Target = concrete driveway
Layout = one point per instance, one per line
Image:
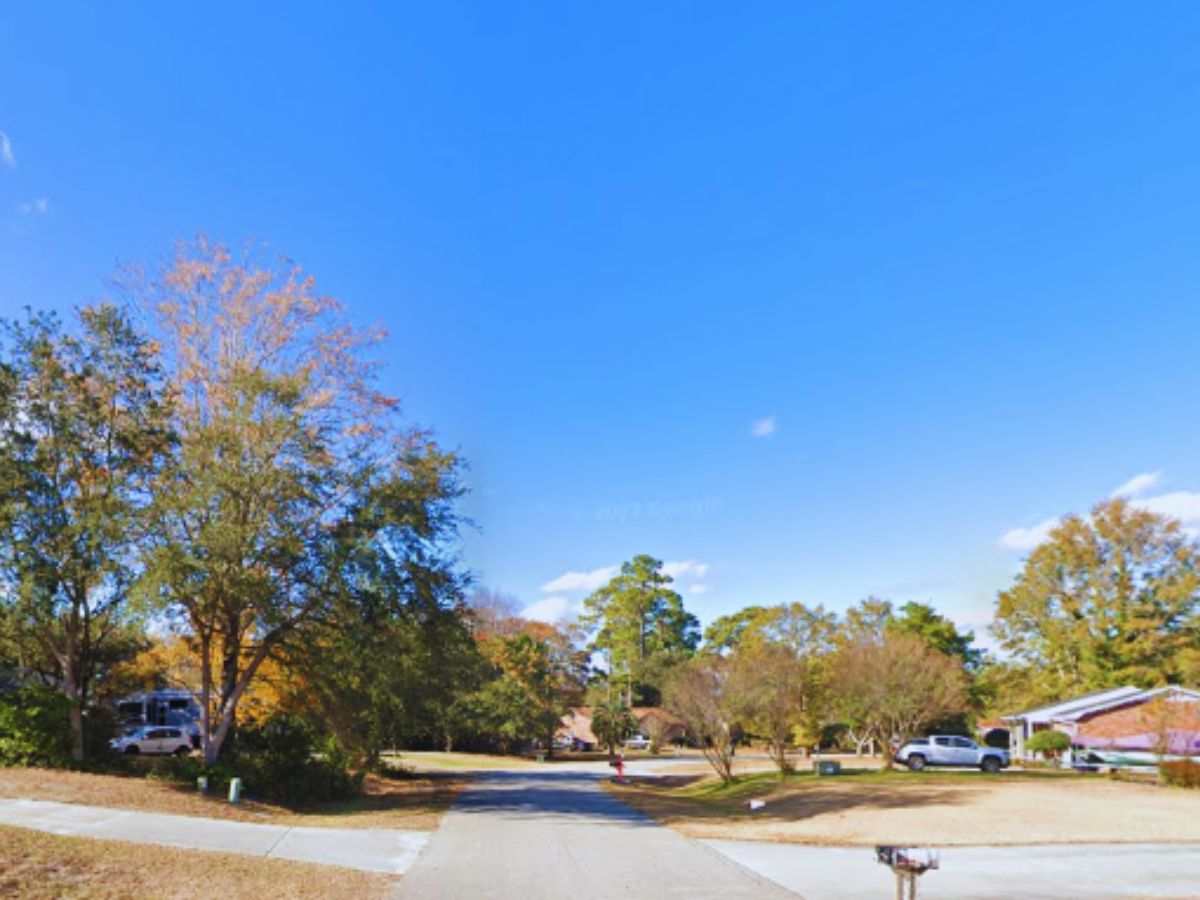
(558, 834)
(1074, 870)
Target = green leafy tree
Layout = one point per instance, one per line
(1113, 598)
(923, 621)
(83, 430)
(640, 624)
(806, 631)
(392, 653)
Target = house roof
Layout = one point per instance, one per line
(1095, 700)
(1100, 701)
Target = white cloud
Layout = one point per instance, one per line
(552, 610)
(38, 206)
(580, 582)
(764, 428)
(6, 151)
(1182, 505)
(1027, 538)
(1138, 484)
(697, 589)
(687, 568)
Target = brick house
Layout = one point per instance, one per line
(653, 722)
(1132, 722)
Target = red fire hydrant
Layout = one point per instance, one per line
(620, 764)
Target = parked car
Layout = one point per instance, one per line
(151, 739)
(950, 750)
(638, 742)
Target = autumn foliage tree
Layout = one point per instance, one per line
(280, 436)
(891, 687)
(699, 693)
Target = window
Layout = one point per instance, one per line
(964, 744)
(942, 742)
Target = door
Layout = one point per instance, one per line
(941, 751)
(966, 752)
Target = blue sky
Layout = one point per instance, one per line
(945, 266)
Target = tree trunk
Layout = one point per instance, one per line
(71, 689)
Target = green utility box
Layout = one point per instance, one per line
(829, 767)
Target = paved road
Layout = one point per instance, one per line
(558, 834)
(1090, 871)
(372, 850)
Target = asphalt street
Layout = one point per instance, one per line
(558, 835)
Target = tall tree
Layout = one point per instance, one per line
(806, 631)
(923, 621)
(280, 437)
(890, 688)
(83, 428)
(1110, 599)
(640, 623)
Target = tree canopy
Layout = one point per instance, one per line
(640, 624)
(1111, 598)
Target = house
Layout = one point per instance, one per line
(1125, 725)
(654, 724)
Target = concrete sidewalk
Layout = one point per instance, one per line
(372, 850)
(1066, 870)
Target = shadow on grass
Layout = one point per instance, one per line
(799, 796)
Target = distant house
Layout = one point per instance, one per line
(654, 723)
(1127, 725)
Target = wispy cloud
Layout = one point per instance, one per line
(552, 610)
(1027, 538)
(685, 568)
(38, 206)
(1181, 505)
(697, 589)
(7, 157)
(1138, 484)
(764, 428)
(686, 571)
(580, 582)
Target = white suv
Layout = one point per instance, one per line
(153, 739)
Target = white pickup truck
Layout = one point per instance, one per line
(951, 750)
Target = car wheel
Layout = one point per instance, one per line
(182, 750)
(132, 750)
(990, 764)
(916, 762)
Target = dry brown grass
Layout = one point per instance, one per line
(938, 808)
(410, 803)
(35, 865)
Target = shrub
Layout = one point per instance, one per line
(1051, 742)
(1180, 773)
(278, 760)
(35, 728)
